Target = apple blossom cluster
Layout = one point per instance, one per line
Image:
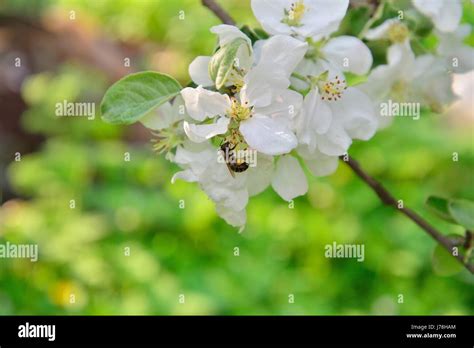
(426, 78)
(260, 112)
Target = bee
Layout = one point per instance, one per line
(233, 164)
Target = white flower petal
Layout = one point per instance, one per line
(201, 133)
(445, 14)
(229, 198)
(232, 217)
(449, 17)
(186, 175)
(282, 53)
(228, 33)
(267, 135)
(430, 7)
(163, 117)
(459, 56)
(244, 58)
(335, 142)
(358, 114)
(402, 57)
(222, 188)
(380, 82)
(348, 53)
(464, 56)
(322, 17)
(270, 14)
(286, 104)
(381, 32)
(194, 161)
(201, 103)
(199, 71)
(260, 176)
(260, 83)
(320, 164)
(289, 180)
(195, 156)
(400, 68)
(315, 119)
(432, 82)
(257, 50)
(317, 110)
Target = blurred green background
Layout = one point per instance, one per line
(132, 204)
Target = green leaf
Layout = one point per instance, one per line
(439, 206)
(223, 60)
(444, 263)
(135, 95)
(462, 212)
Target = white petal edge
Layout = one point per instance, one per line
(270, 13)
(201, 103)
(320, 164)
(282, 53)
(267, 135)
(199, 71)
(201, 133)
(348, 53)
(228, 33)
(289, 180)
(381, 32)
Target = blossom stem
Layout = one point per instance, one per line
(375, 17)
(303, 92)
(387, 198)
(218, 11)
(301, 77)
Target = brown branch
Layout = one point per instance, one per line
(381, 192)
(387, 198)
(218, 11)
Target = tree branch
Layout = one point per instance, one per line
(385, 196)
(218, 11)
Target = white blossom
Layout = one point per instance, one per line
(333, 114)
(263, 108)
(314, 21)
(459, 56)
(406, 78)
(165, 115)
(445, 14)
(303, 18)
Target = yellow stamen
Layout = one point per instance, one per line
(398, 32)
(295, 13)
(333, 89)
(240, 112)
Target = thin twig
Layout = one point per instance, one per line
(375, 17)
(387, 198)
(218, 11)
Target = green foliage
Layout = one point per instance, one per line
(439, 206)
(132, 205)
(462, 211)
(458, 211)
(135, 95)
(443, 262)
(71, 83)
